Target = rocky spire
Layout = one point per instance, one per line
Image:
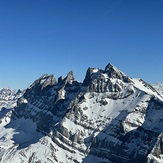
(44, 80)
(113, 72)
(69, 78)
(41, 85)
(88, 77)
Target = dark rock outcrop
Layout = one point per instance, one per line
(105, 117)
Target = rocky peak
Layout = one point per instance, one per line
(69, 78)
(41, 85)
(107, 119)
(89, 75)
(49, 80)
(113, 72)
(44, 81)
(109, 80)
(110, 66)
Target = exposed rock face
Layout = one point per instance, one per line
(48, 100)
(107, 118)
(113, 72)
(108, 80)
(42, 84)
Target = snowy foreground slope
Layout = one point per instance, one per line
(107, 118)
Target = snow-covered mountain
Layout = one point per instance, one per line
(158, 87)
(107, 118)
(8, 100)
(8, 97)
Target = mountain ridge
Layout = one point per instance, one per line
(109, 117)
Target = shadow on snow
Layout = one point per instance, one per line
(112, 144)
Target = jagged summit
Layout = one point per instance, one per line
(113, 72)
(44, 80)
(69, 79)
(110, 117)
(110, 65)
(91, 73)
(111, 79)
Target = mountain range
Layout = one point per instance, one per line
(107, 118)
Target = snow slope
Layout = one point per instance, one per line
(108, 118)
(158, 87)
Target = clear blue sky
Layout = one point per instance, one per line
(56, 36)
